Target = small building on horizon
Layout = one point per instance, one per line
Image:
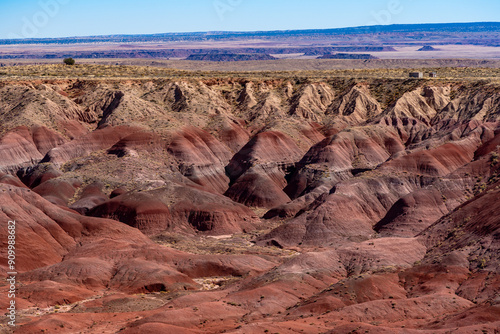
(433, 75)
(416, 75)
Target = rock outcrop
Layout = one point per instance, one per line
(218, 204)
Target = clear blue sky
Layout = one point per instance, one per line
(58, 18)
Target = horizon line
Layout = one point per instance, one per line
(249, 31)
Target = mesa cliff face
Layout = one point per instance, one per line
(369, 204)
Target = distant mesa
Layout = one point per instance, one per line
(229, 57)
(428, 48)
(322, 51)
(348, 56)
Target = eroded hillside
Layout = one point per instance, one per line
(253, 205)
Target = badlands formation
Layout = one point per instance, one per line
(220, 205)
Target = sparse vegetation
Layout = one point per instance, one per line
(494, 159)
(382, 91)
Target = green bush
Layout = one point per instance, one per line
(69, 61)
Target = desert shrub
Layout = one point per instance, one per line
(494, 159)
(69, 61)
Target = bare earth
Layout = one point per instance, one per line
(163, 200)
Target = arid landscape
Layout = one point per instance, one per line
(478, 41)
(156, 200)
(313, 181)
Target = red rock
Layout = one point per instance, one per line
(56, 191)
(50, 232)
(11, 180)
(334, 217)
(48, 293)
(371, 146)
(376, 287)
(143, 141)
(426, 162)
(355, 290)
(35, 176)
(335, 158)
(90, 197)
(312, 132)
(139, 210)
(51, 240)
(479, 318)
(233, 135)
(481, 287)
(422, 280)
(402, 310)
(21, 304)
(118, 192)
(201, 158)
(190, 317)
(488, 147)
(177, 207)
(46, 139)
(100, 139)
(375, 254)
(283, 287)
(217, 216)
(44, 242)
(265, 147)
(474, 224)
(73, 129)
(154, 328)
(300, 204)
(75, 323)
(413, 213)
(256, 189)
(222, 265)
(18, 149)
(140, 276)
(437, 162)
(258, 170)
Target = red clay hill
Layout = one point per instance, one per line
(252, 205)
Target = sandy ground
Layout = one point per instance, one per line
(444, 51)
(269, 66)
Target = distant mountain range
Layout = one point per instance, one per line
(350, 43)
(484, 33)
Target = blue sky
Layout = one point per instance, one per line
(59, 18)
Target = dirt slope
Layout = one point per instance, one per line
(252, 205)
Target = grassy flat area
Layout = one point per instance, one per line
(254, 69)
